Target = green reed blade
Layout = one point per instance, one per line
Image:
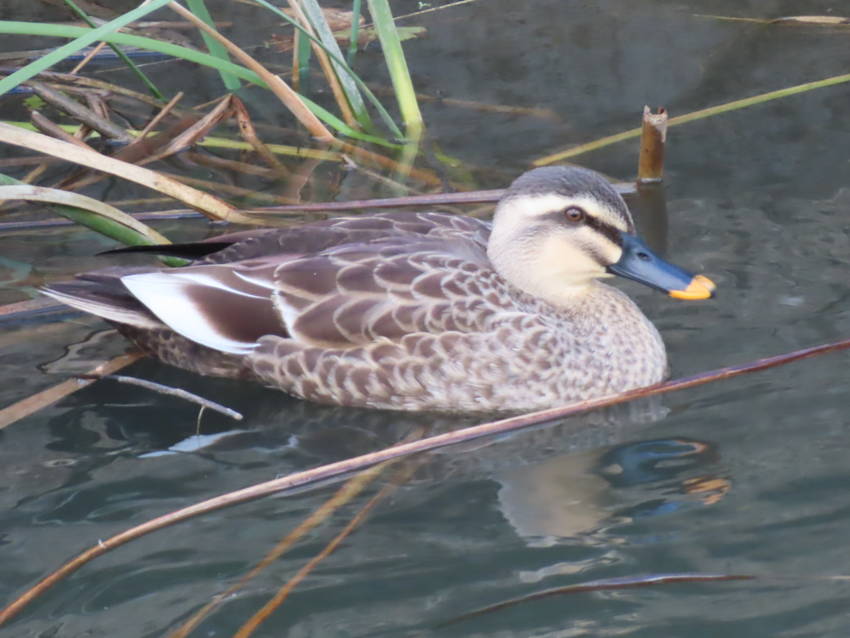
(343, 72)
(305, 56)
(397, 65)
(355, 31)
(152, 88)
(216, 49)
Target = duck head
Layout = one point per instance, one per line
(557, 230)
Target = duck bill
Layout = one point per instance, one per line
(639, 263)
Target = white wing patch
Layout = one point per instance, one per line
(174, 299)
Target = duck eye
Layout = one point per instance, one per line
(574, 214)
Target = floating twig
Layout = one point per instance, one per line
(829, 21)
(168, 391)
(819, 21)
(526, 111)
(433, 9)
(164, 111)
(88, 57)
(49, 127)
(434, 199)
(54, 222)
(79, 112)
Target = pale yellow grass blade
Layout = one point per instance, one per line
(209, 205)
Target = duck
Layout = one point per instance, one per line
(426, 311)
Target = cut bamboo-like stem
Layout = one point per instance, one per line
(605, 584)
(711, 111)
(653, 137)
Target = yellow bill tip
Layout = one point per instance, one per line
(701, 287)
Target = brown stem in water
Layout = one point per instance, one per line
(79, 112)
(164, 111)
(29, 307)
(434, 199)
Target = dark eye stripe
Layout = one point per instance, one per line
(603, 228)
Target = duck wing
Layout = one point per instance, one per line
(339, 283)
(356, 294)
(346, 296)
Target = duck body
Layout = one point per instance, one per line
(406, 311)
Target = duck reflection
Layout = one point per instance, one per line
(570, 495)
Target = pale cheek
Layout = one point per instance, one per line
(612, 253)
(568, 258)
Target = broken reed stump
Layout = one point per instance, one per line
(652, 140)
